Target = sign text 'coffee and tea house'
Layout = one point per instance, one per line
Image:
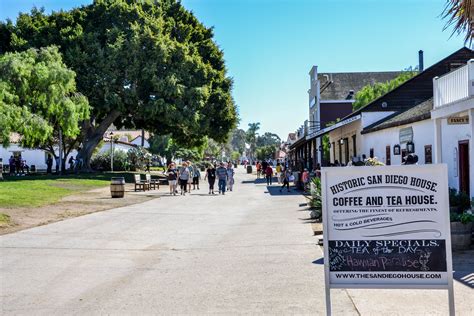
(387, 227)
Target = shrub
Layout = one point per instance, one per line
(101, 161)
(139, 158)
(459, 199)
(315, 199)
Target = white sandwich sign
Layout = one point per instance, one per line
(387, 227)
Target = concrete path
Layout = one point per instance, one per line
(248, 252)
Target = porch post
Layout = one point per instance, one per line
(471, 153)
(437, 140)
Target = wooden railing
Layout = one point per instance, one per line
(454, 86)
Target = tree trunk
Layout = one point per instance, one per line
(92, 137)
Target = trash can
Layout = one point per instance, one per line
(249, 169)
(117, 187)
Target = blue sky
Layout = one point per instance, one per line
(270, 45)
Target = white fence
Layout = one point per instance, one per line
(454, 86)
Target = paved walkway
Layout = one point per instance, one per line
(248, 252)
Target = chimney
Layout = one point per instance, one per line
(420, 60)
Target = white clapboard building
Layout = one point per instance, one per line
(430, 115)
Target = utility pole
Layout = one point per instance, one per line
(111, 151)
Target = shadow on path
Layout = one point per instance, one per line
(275, 190)
(256, 181)
(319, 261)
(463, 266)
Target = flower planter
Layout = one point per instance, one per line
(461, 235)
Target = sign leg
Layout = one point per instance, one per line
(451, 300)
(328, 301)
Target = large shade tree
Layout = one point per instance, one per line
(142, 64)
(38, 98)
(268, 139)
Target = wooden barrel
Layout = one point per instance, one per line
(117, 187)
(461, 235)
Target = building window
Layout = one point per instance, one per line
(388, 160)
(428, 155)
(371, 155)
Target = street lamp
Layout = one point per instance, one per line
(111, 151)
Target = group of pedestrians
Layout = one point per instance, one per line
(188, 175)
(283, 174)
(18, 165)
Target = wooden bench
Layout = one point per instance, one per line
(153, 183)
(140, 184)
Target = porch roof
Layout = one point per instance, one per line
(415, 114)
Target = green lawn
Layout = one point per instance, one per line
(39, 190)
(34, 193)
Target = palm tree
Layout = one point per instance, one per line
(460, 13)
(251, 137)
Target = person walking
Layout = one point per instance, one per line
(49, 164)
(230, 177)
(278, 172)
(71, 163)
(258, 166)
(286, 180)
(18, 165)
(196, 177)
(264, 166)
(305, 179)
(221, 174)
(183, 178)
(269, 174)
(211, 177)
(11, 164)
(172, 175)
(191, 175)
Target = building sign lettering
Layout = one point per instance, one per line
(455, 120)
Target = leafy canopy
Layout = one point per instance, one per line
(149, 64)
(265, 152)
(37, 97)
(268, 139)
(371, 92)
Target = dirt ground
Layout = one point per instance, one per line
(71, 206)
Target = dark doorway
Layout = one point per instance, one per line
(346, 149)
(354, 146)
(388, 160)
(464, 166)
